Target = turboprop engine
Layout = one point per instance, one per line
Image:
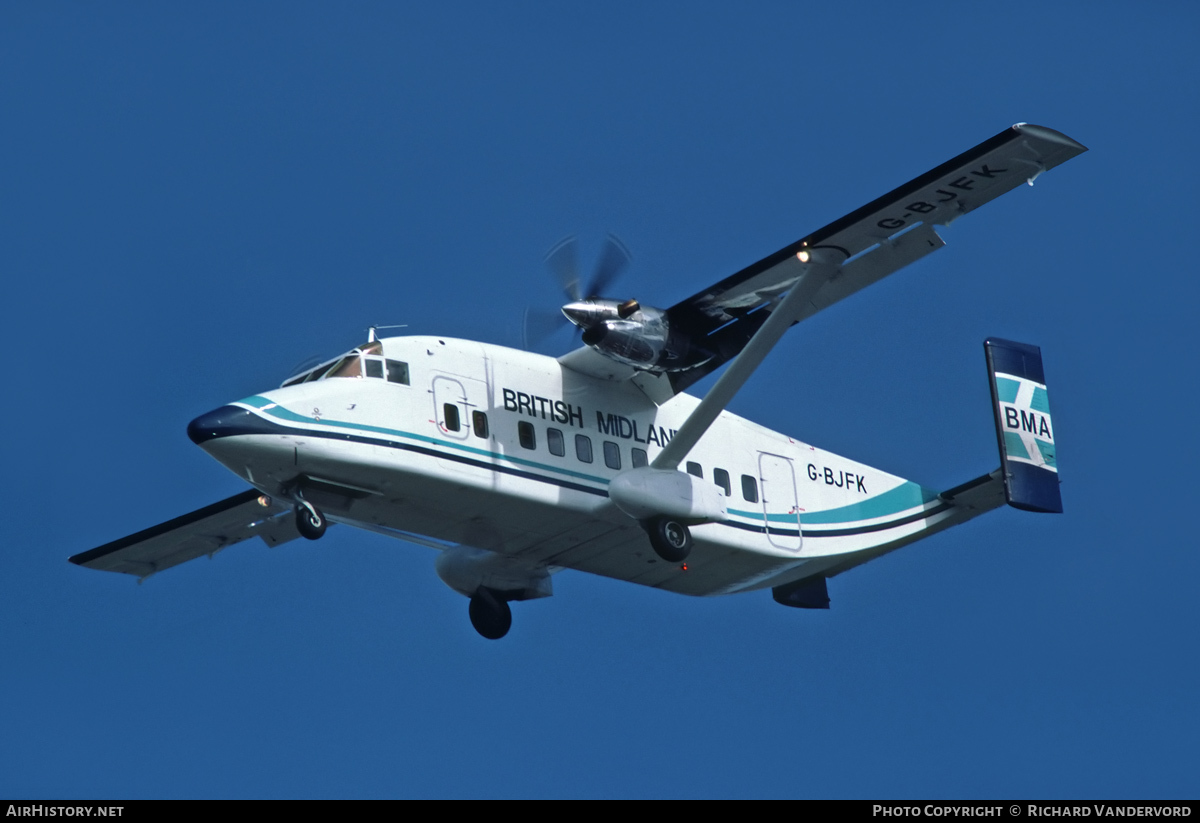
(624, 330)
(628, 332)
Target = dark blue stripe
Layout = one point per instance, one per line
(263, 426)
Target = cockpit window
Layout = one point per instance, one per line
(397, 372)
(348, 366)
(366, 360)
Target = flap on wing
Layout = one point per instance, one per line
(870, 243)
(205, 531)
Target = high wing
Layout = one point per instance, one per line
(868, 244)
(205, 531)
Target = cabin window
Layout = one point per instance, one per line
(583, 448)
(694, 470)
(374, 367)
(450, 417)
(554, 442)
(479, 422)
(526, 435)
(612, 455)
(639, 458)
(397, 372)
(749, 488)
(721, 478)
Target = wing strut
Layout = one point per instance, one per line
(818, 268)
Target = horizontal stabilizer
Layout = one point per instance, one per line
(1024, 429)
(205, 531)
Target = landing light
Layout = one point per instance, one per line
(264, 501)
(803, 256)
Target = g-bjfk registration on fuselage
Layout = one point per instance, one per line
(515, 465)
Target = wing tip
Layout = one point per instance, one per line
(1050, 135)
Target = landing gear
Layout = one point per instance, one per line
(309, 520)
(672, 540)
(490, 614)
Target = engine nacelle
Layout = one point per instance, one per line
(466, 570)
(645, 493)
(636, 335)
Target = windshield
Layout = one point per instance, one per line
(365, 360)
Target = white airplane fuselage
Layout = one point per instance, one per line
(524, 471)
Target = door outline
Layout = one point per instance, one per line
(777, 490)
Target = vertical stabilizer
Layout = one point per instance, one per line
(1023, 426)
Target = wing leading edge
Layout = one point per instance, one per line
(881, 237)
(205, 531)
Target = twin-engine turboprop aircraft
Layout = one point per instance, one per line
(516, 465)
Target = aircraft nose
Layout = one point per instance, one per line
(221, 422)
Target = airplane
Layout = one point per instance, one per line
(517, 465)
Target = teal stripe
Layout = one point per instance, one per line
(281, 413)
(1006, 389)
(906, 496)
(1047, 450)
(1040, 401)
(1013, 446)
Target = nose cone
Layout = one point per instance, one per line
(223, 422)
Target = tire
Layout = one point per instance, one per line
(671, 540)
(310, 522)
(490, 616)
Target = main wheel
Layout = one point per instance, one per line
(672, 540)
(490, 615)
(309, 521)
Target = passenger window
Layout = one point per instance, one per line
(480, 422)
(526, 435)
(450, 417)
(721, 478)
(612, 455)
(374, 367)
(554, 442)
(397, 372)
(583, 448)
(694, 469)
(749, 488)
(639, 458)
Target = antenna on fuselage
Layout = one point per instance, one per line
(371, 331)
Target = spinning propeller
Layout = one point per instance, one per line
(584, 307)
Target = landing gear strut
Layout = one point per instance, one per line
(490, 614)
(672, 540)
(310, 522)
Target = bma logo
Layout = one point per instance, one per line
(1027, 421)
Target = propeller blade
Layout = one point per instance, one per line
(540, 324)
(614, 259)
(563, 261)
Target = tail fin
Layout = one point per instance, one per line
(1023, 426)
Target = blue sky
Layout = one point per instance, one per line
(195, 200)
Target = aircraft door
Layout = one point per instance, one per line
(460, 406)
(451, 406)
(781, 505)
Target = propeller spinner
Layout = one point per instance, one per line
(584, 307)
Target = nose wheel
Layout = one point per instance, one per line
(490, 615)
(310, 522)
(671, 540)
